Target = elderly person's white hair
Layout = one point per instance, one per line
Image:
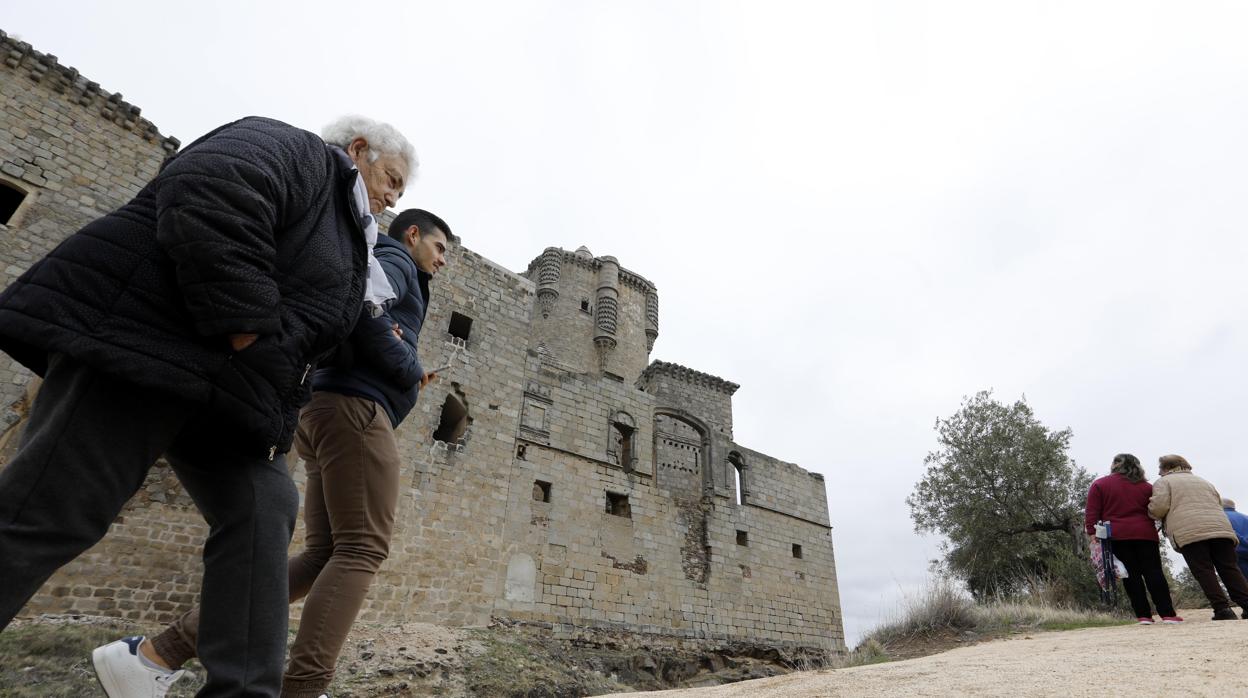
(381, 137)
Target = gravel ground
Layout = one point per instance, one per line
(1196, 658)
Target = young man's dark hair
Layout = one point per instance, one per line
(423, 220)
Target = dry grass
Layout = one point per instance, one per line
(943, 611)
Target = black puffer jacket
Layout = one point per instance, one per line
(250, 229)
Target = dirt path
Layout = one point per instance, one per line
(1197, 658)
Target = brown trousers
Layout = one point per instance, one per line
(1213, 558)
(352, 461)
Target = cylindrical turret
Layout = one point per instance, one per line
(606, 306)
(652, 318)
(548, 279)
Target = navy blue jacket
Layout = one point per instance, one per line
(250, 229)
(373, 363)
(1239, 522)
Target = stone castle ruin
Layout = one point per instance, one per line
(555, 475)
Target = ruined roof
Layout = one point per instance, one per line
(687, 375)
(46, 69)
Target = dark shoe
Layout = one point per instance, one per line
(1225, 614)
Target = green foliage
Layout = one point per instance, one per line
(1186, 591)
(1008, 500)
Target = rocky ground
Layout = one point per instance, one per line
(50, 656)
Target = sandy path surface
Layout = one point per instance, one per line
(1196, 658)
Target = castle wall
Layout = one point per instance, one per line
(563, 492)
(77, 150)
(783, 487)
(691, 391)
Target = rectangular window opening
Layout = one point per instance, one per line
(797, 551)
(10, 199)
(460, 326)
(743, 538)
(584, 305)
(541, 491)
(617, 505)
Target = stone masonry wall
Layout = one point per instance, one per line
(784, 487)
(77, 150)
(698, 393)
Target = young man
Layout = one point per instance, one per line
(184, 323)
(346, 438)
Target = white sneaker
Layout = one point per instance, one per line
(123, 674)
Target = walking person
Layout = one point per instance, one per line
(346, 439)
(1121, 498)
(1239, 522)
(1191, 510)
(183, 324)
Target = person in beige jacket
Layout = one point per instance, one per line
(1191, 510)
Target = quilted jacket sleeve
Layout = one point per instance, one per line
(1159, 502)
(220, 204)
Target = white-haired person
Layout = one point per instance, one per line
(1190, 508)
(185, 323)
(346, 440)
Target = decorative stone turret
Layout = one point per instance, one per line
(548, 279)
(652, 318)
(592, 315)
(607, 306)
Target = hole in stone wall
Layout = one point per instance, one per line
(617, 505)
(585, 305)
(797, 551)
(743, 538)
(623, 435)
(541, 491)
(455, 420)
(460, 327)
(10, 199)
(521, 451)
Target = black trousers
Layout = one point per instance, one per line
(88, 446)
(1142, 559)
(1213, 558)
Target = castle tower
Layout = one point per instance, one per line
(592, 315)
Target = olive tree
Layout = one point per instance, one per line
(1005, 496)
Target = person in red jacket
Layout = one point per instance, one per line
(1121, 498)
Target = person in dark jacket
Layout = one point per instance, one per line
(346, 439)
(1121, 498)
(186, 323)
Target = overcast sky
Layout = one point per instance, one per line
(861, 212)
